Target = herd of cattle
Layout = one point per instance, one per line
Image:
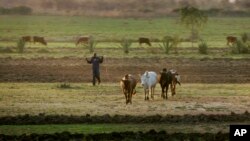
(86, 39)
(80, 40)
(149, 80)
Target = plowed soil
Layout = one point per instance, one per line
(77, 70)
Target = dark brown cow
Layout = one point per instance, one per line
(83, 40)
(231, 39)
(144, 40)
(27, 38)
(128, 84)
(39, 40)
(168, 78)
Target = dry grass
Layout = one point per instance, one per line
(82, 99)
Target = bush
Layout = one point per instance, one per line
(22, 10)
(244, 37)
(43, 51)
(169, 43)
(166, 44)
(91, 44)
(203, 47)
(64, 86)
(6, 50)
(240, 48)
(20, 45)
(126, 44)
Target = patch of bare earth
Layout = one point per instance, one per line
(77, 70)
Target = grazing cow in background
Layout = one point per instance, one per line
(83, 40)
(144, 40)
(167, 78)
(231, 39)
(128, 84)
(27, 38)
(39, 40)
(148, 81)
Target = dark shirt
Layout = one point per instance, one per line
(95, 61)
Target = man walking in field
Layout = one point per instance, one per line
(95, 61)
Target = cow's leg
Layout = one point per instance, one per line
(126, 99)
(148, 94)
(152, 92)
(145, 92)
(173, 88)
(124, 92)
(167, 91)
(130, 97)
(162, 92)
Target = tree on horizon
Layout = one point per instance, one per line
(193, 19)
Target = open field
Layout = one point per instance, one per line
(82, 99)
(30, 82)
(66, 29)
(72, 69)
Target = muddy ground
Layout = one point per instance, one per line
(77, 70)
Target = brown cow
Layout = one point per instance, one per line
(39, 40)
(83, 40)
(27, 38)
(167, 78)
(128, 84)
(144, 40)
(231, 39)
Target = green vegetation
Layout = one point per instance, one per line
(240, 48)
(203, 47)
(170, 43)
(166, 46)
(20, 46)
(126, 44)
(65, 29)
(61, 33)
(194, 19)
(244, 37)
(108, 128)
(22, 10)
(92, 44)
(64, 86)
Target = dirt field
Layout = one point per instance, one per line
(69, 69)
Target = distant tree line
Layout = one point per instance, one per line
(221, 12)
(130, 8)
(20, 10)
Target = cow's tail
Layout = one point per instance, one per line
(179, 83)
(178, 79)
(134, 92)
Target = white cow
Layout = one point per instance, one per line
(148, 81)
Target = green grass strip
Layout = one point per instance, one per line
(108, 128)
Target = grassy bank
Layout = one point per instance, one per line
(108, 128)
